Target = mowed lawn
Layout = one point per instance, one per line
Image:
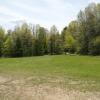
(63, 65)
(85, 68)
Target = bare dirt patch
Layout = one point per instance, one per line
(3, 79)
(23, 89)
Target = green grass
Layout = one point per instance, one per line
(85, 68)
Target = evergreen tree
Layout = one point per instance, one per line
(2, 36)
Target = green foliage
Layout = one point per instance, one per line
(63, 34)
(41, 42)
(7, 49)
(80, 36)
(2, 36)
(70, 41)
(17, 45)
(89, 28)
(52, 40)
(73, 28)
(58, 45)
(94, 48)
(26, 40)
(52, 44)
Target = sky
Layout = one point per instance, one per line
(43, 12)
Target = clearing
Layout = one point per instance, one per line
(50, 78)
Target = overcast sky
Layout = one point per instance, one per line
(43, 12)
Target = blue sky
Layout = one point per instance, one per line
(43, 12)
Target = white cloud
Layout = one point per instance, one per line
(5, 10)
(44, 12)
(96, 1)
(54, 12)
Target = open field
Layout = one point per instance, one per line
(50, 78)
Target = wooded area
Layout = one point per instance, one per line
(81, 36)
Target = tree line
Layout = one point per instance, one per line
(81, 36)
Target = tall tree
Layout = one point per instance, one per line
(26, 40)
(52, 40)
(58, 44)
(41, 42)
(7, 49)
(2, 36)
(17, 45)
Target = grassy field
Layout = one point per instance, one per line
(79, 69)
(59, 77)
(76, 66)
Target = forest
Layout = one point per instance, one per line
(81, 36)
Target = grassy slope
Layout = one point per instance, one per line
(76, 67)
